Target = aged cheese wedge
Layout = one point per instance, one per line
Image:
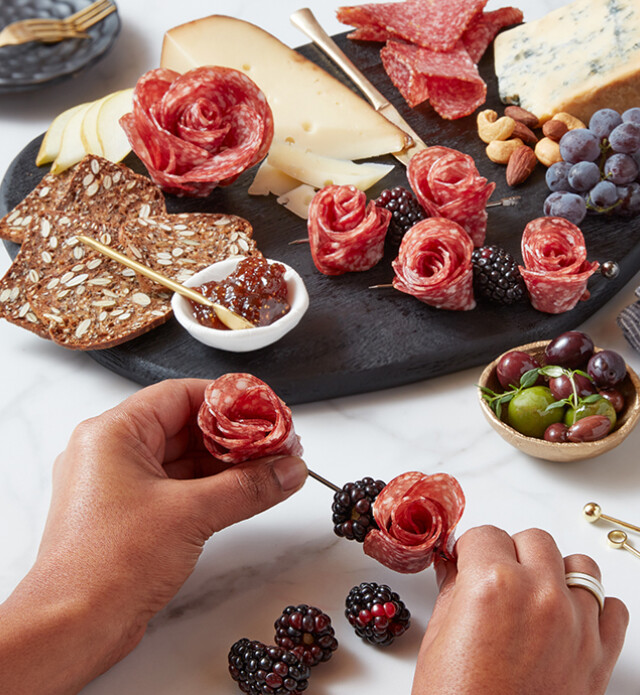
(268, 179)
(298, 200)
(53, 137)
(311, 109)
(319, 171)
(578, 58)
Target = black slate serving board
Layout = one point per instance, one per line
(354, 339)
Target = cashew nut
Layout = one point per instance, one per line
(491, 128)
(548, 151)
(499, 151)
(570, 121)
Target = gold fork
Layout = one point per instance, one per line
(54, 30)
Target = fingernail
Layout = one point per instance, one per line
(291, 472)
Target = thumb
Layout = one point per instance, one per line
(246, 489)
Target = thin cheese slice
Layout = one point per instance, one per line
(311, 108)
(578, 58)
(268, 179)
(319, 171)
(298, 200)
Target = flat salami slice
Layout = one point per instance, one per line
(345, 232)
(434, 265)
(416, 515)
(242, 419)
(199, 130)
(484, 27)
(448, 184)
(556, 269)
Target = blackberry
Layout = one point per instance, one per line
(496, 276)
(377, 613)
(405, 212)
(260, 669)
(306, 631)
(352, 513)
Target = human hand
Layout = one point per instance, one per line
(135, 497)
(506, 622)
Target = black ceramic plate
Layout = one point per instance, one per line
(354, 339)
(31, 65)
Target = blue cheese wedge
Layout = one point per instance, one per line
(578, 58)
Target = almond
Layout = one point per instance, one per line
(554, 129)
(521, 163)
(525, 134)
(522, 116)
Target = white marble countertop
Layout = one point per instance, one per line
(289, 555)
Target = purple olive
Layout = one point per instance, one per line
(513, 365)
(561, 387)
(556, 432)
(614, 397)
(589, 429)
(571, 350)
(607, 368)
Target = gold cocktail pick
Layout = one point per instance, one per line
(592, 512)
(618, 539)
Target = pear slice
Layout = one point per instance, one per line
(53, 137)
(113, 140)
(89, 130)
(71, 148)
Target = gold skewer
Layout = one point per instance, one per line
(228, 317)
(324, 481)
(379, 287)
(592, 512)
(618, 539)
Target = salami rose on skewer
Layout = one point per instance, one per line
(434, 265)
(242, 419)
(416, 514)
(556, 269)
(198, 130)
(345, 232)
(447, 184)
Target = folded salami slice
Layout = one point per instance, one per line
(345, 232)
(484, 27)
(198, 130)
(556, 269)
(416, 515)
(448, 184)
(398, 60)
(242, 419)
(434, 265)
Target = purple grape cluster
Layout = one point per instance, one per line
(600, 171)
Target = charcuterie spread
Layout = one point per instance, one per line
(434, 265)
(345, 232)
(242, 419)
(556, 269)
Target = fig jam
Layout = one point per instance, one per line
(256, 290)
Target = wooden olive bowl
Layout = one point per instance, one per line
(566, 451)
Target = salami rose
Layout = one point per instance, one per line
(434, 265)
(556, 269)
(448, 184)
(416, 515)
(242, 419)
(346, 234)
(199, 130)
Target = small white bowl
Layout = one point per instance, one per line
(246, 339)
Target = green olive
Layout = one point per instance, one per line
(527, 411)
(600, 407)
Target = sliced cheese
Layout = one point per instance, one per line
(268, 179)
(53, 137)
(298, 200)
(71, 147)
(311, 108)
(89, 129)
(319, 171)
(578, 58)
(113, 140)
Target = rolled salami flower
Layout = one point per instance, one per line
(345, 232)
(556, 270)
(447, 184)
(434, 265)
(243, 419)
(416, 514)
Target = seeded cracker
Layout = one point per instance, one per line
(180, 245)
(46, 195)
(49, 243)
(97, 304)
(110, 193)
